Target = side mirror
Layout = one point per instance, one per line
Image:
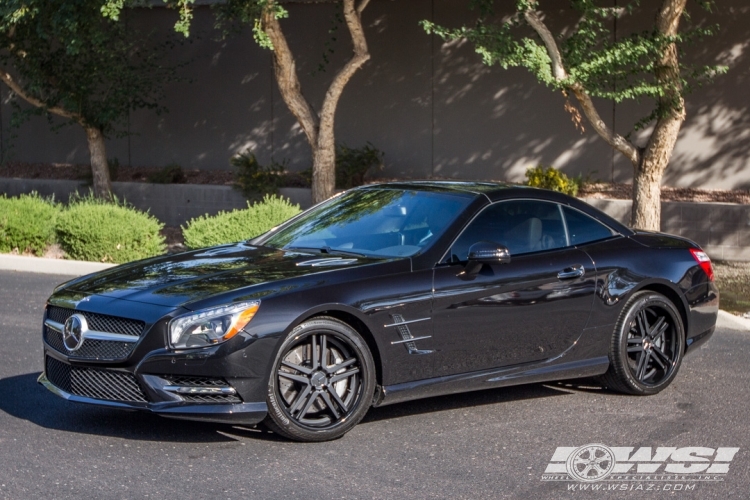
(484, 252)
(488, 252)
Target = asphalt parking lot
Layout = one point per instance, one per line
(489, 444)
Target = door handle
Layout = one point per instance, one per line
(571, 272)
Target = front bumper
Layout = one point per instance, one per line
(240, 413)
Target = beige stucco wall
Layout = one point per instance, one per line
(433, 108)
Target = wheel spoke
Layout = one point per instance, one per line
(299, 368)
(324, 351)
(309, 403)
(330, 405)
(314, 354)
(343, 364)
(337, 398)
(635, 340)
(659, 333)
(642, 362)
(301, 397)
(654, 330)
(649, 373)
(659, 362)
(661, 354)
(292, 376)
(642, 323)
(635, 348)
(342, 376)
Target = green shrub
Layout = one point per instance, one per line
(238, 225)
(555, 180)
(108, 231)
(171, 174)
(27, 223)
(256, 180)
(352, 164)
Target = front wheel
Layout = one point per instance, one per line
(647, 345)
(322, 382)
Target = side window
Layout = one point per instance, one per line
(584, 229)
(523, 226)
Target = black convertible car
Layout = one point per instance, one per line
(383, 294)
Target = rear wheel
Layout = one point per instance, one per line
(647, 345)
(322, 381)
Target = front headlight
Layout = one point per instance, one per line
(211, 326)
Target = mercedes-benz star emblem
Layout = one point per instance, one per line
(73, 332)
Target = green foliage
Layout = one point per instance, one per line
(69, 57)
(27, 223)
(352, 164)
(228, 12)
(549, 178)
(237, 225)
(171, 174)
(97, 230)
(256, 180)
(617, 68)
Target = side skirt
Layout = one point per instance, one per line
(488, 379)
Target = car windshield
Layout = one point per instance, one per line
(375, 222)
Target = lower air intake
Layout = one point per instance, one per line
(108, 385)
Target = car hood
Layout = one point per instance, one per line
(180, 279)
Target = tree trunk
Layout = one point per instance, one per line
(319, 130)
(646, 213)
(99, 168)
(324, 170)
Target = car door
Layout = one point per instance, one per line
(530, 309)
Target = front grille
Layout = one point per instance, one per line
(180, 380)
(99, 322)
(108, 385)
(94, 349)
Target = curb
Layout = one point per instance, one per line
(41, 265)
(734, 322)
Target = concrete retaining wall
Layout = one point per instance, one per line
(173, 204)
(722, 229)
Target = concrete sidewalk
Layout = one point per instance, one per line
(41, 265)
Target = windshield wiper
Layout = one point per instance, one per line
(326, 249)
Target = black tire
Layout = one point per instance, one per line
(647, 345)
(322, 382)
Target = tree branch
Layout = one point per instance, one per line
(361, 56)
(558, 69)
(286, 77)
(18, 90)
(614, 139)
(668, 77)
(361, 7)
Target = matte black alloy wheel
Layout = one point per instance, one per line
(322, 383)
(647, 346)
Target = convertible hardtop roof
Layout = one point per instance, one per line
(472, 187)
(496, 191)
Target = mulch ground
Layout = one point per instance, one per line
(66, 171)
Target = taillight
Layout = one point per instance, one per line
(704, 261)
